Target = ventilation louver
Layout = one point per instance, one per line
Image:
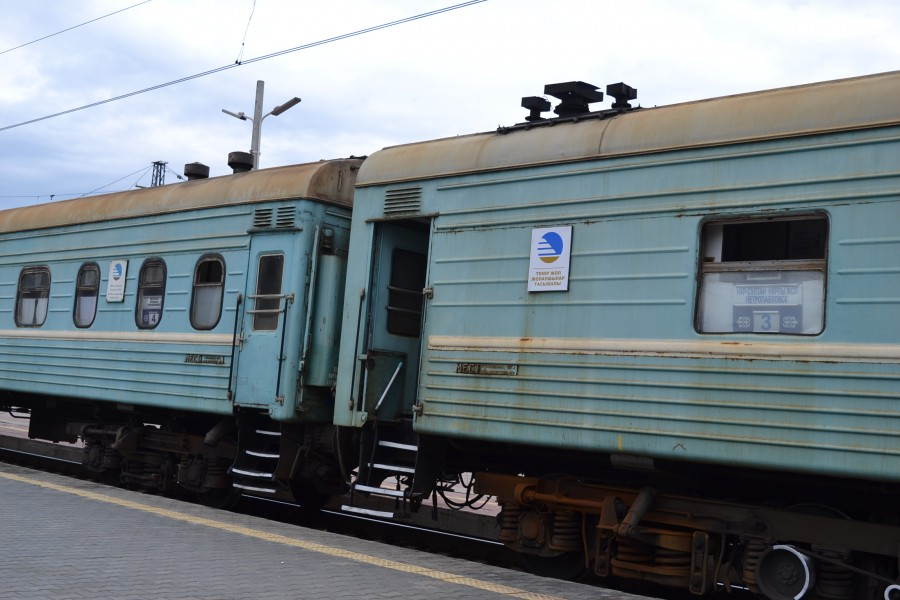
(262, 218)
(403, 200)
(282, 217)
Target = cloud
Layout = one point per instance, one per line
(455, 73)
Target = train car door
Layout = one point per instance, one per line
(396, 316)
(261, 368)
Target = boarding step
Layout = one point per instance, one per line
(259, 451)
(387, 469)
(254, 474)
(381, 514)
(254, 489)
(262, 454)
(379, 491)
(398, 445)
(392, 468)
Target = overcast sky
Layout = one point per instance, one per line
(458, 72)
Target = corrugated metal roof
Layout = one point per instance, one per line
(328, 181)
(861, 102)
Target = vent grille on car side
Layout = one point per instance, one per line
(283, 217)
(403, 200)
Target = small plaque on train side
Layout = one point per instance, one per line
(486, 369)
(204, 359)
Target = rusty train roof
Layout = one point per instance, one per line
(327, 181)
(861, 102)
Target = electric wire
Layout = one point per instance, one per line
(253, 60)
(142, 171)
(246, 29)
(75, 27)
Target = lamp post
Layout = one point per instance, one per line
(258, 117)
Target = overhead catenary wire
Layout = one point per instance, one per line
(74, 27)
(251, 60)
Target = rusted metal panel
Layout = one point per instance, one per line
(327, 181)
(787, 112)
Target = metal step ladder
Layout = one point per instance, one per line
(387, 469)
(259, 449)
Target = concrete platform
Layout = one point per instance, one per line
(71, 539)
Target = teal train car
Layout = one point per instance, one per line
(168, 327)
(665, 339)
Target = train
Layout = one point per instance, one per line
(663, 339)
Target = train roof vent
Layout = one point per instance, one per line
(262, 218)
(574, 96)
(284, 217)
(403, 200)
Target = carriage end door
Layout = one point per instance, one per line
(396, 319)
(261, 369)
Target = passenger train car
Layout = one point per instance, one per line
(664, 339)
(145, 321)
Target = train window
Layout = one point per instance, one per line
(763, 276)
(209, 287)
(151, 293)
(268, 292)
(405, 293)
(33, 296)
(87, 289)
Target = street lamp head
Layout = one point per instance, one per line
(237, 115)
(287, 105)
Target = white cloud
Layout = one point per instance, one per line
(454, 73)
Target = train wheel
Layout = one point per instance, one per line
(569, 566)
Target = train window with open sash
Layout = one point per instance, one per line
(763, 276)
(151, 293)
(405, 293)
(268, 292)
(87, 290)
(33, 296)
(209, 287)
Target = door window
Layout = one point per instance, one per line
(268, 292)
(405, 293)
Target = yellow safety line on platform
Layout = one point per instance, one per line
(288, 541)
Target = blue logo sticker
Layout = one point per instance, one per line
(117, 272)
(550, 248)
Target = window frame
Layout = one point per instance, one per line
(142, 287)
(43, 294)
(80, 288)
(791, 274)
(195, 286)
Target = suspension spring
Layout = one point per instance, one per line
(566, 531)
(833, 581)
(509, 526)
(753, 549)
